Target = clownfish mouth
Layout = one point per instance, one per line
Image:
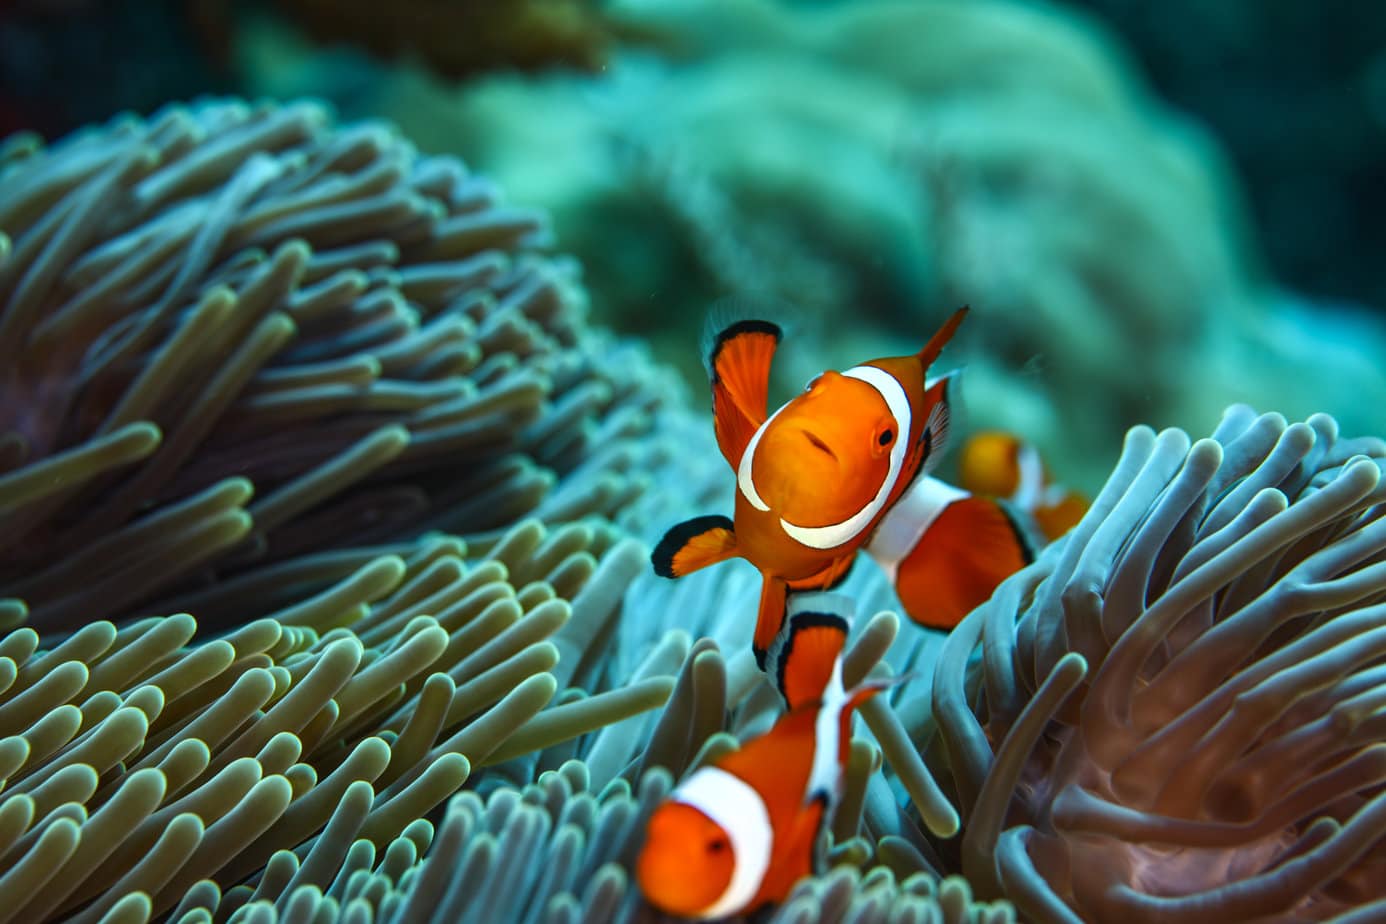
(820, 444)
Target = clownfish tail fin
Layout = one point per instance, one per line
(939, 340)
(694, 544)
(805, 656)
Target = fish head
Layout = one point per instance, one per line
(687, 862)
(826, 452)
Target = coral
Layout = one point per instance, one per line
(890, 161)
(232, 336)
(461, 39)
(1176, 713)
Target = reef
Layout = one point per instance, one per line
(458, 40)
(322, 508)
(905, 177)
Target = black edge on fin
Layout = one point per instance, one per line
(1028, 544)
(677, 537)
(749, 326)
(804, 619)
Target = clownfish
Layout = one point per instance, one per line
(945, 550)
(997, 464)
(739, 832)
(816, 478)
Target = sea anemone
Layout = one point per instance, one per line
(232, 336)
(337, 410)
(260, 373)
(561, 849)
(149, 772)
(1176, 714)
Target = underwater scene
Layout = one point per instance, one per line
(641, 461)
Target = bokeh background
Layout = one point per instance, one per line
(1156, 209)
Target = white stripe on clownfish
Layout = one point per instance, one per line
(1029, 486)
(825, 776)
(908, 520)
(745, 478)
(836, 534)
(734, 806)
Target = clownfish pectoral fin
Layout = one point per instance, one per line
(739, 364)
(933, 439)
(970, 546)
(694, 544)
(938, 341)
(769, 618)
(815, 632)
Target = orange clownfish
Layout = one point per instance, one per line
(739, 832)
(997, 464)
(816, 478)
(945, 550)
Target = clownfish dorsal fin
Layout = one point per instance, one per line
(738, 360)
(805, 656)
(694, 544)
(938, 341)
(867, 689)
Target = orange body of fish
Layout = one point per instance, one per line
(842, 467)
(738, 833)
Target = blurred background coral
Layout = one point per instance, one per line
(1155, 210)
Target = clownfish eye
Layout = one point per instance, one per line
(885, 437)
(716, 846)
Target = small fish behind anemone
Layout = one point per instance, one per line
(842, 467)
(993, 463)
(738, 833)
